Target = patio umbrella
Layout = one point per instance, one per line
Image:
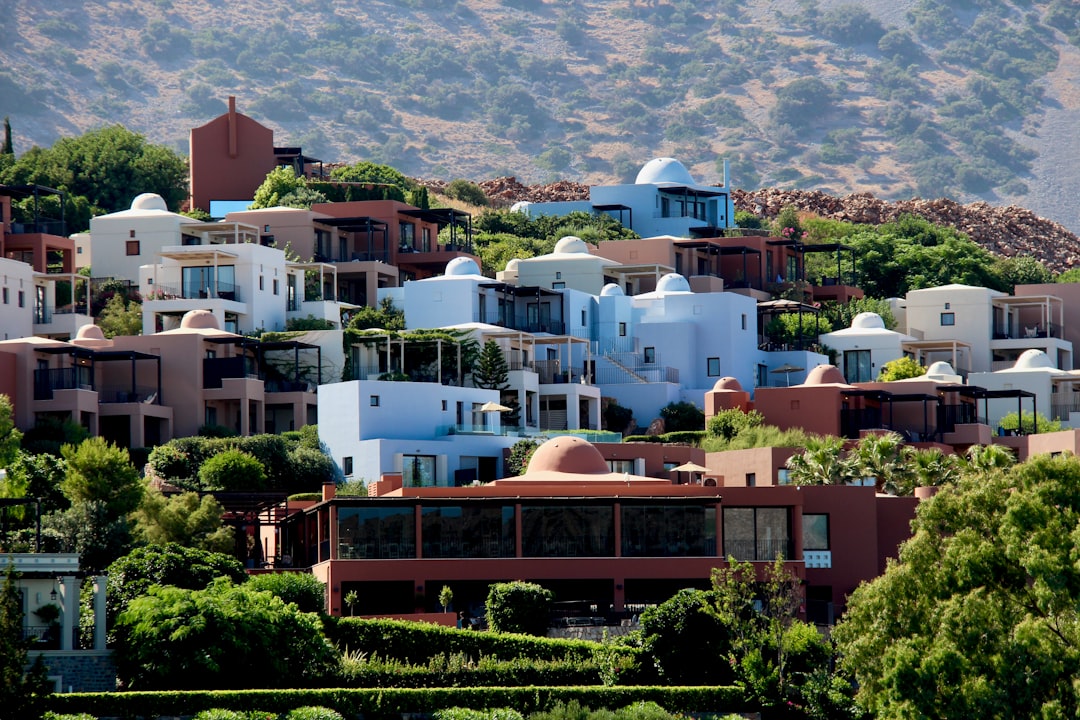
(690, 467)
(787, 369)
(493, 407)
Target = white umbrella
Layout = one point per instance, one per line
(493, 407)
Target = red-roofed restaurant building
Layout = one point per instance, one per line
(612, 540)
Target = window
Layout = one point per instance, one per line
(622, 329)
(444, 405)
(584, 320)
(374, 401)
(948, 306)
(857, 366)
(558, 275)
(418, 470)
(6, 299)
(744, 321)
(620, 466)
(346, 465)
(261, 284)
(782, 477)
(558, 286)
(78, 250)
(751, 479)
(650, 355)
(815, 532)
(277, 286)
(131, 233)
(132, 247)
(22, 298)
(714, 367)
(948, 318)
(757, 534)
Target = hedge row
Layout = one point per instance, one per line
(416, 643)
(375, 704)
(679, 437)
(518, 673)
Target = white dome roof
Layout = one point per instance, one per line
(462, 266)
(520, 206)
(512, 265)
(868, 321)
(571, 245)
(611, 289)
(664, 170)
(672, 282)
(940, 368)
(149, 201)
(1033, 359)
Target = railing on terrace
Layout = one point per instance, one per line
(44, 227)
(278, 386)
(759, 550)
(292, 305)
(854, 420)
(1030, 332)
(145, 394)
(520, 322)
(644, 373)
(949, 416)
(217, 369)
(42, 314)
(51, 379)
(221, 290)
(1061, 410)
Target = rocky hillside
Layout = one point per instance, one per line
(1008, 231)
(972, 100)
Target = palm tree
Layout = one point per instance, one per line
(822, 463)
(987, 458)
(881, 457)
(932, 467)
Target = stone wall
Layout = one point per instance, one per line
(80, 670)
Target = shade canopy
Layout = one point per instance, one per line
(787, 368)
(493, 407)
(690, 467)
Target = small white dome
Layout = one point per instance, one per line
(571, 245)
(940, 368)
(1032, 359)
(672, 282)
(149, 201)
(611, 289)
(664, 170)
(521, 206)
(512, 266)
(868, 321)
(462, 266)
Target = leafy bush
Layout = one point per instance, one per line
(682, 416)
(465, 191)
(459, 670)
(313, 712)
(616, 417)
(232, 470)
(305, 590)
(224, 636)
(458, 713)
(519, 607)
(520, 454)
(679, 632)
(311, 468)
(729, 423)
(900, 369)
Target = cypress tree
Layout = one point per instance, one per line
(8, 148)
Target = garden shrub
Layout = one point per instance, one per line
(300, 588)
(457, 670)
(313, 712)
(460, 713)
(232, 470)
(682, 416)
(683, 437)
(519, 607)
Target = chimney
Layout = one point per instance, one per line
(232, 127)
(329, 490)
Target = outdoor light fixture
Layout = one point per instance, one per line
(52, 595)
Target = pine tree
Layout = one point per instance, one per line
(491, 369)
(8, 148)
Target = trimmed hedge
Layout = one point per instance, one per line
(376, 704)
(679, 437)
(416, 643)
(485, 673)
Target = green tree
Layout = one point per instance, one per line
(900, 369)
(132, 576)
(120, 318)
(727, 424)
(491, 369)
(467, 192)
(680, 416)
(978, 617)
(882, 457)
(446, 597)
(842, 314)
(1022, 270)
(10, 437)
(232, 469)
(686, 640)
(616, 417)
(97, 470)
(823, 462)
(932, 467)
(1028, 423)
(90, 528)
(7, 148)
(282, 182)
(385, 182)
(20, 691)
(107, 166)
(225, 636)
(384, 317)
(186, 519)
(519, 607)
(302, 589)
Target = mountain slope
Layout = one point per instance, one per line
(973, 99)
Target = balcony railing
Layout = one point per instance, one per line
(217, 369)
(852, 421)
(1061, 410)
(46, 381)
(42, 314)
(221, 290)
(949, 416)
(1030, 332)
(641, 374)
(147, 395)
(278, 386)
(525, 324)
(759, 550)
(44, 227)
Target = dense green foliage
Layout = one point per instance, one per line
(502, 235)
(978, 617)
(682, 416)
(21, 692)
(302, 589)
(900, 369)
(99, 471)
(519, 607)
(728, 424)
(186, 519)
(224, 636)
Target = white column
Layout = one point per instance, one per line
(69, 595)
(100, 582)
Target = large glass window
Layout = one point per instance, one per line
(417, 470)
(567, 531)
(857, 366)
(815, 532)
(201, 282)
(455, 531)
(376, 532)
(668, 531)
(757, 534)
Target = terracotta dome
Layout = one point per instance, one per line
(566, 454)
(825, 375)
(89, 332)
(200, 320)
(727, 383)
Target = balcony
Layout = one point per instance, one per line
(217, 369)
(759, 550)
(145, 395)
(49, 380)
(1027, 333)
(524, 324)
(220, 290)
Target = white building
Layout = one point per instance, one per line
(663, 200)
(1056, 392)
(864, 348)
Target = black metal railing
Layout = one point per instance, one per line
(759, 550)
(949, 416)
(222, 290)
(48, 380)
(217, 369)
(854, 420)
(144, 394)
